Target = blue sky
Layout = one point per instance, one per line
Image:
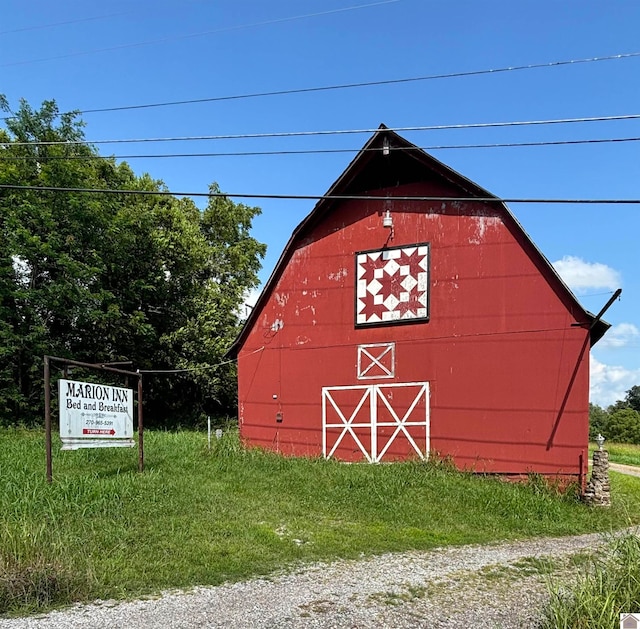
(88, 55)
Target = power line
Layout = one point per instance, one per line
(192, 35)
(200, 368)
(69, 22)
(343, 86)
(427, 340)
(423, 341)
(66, 23)
(322, 197)
(315, 151)
(294, 134)
(608, 292)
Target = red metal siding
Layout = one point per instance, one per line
(506, 370)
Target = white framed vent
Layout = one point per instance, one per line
(376, 361)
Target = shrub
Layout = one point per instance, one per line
(623, 426)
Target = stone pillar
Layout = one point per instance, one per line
(598, 491)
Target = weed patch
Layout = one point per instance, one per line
(606, 587)
(407, 594)
(38, 583)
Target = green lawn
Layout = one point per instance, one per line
(625, 453)
(102, 530)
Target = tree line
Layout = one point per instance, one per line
(98, 277)
(620, 422)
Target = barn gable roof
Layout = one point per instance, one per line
(404, 162)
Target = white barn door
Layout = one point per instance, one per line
(376, 420)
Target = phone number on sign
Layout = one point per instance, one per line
(99, 422)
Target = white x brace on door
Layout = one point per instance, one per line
(374, 416)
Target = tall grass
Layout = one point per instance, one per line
(102, 530)
(609, 587)
(625, 453)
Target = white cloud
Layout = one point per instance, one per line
(609, 383)
(620, 335)
(582, 276)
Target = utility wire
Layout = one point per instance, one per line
(335, 345)
(200, 368)
(66, 23)
(321, 197)
(423, 341)
(314, 151)
(94, 18)
(427, 340)
(193, 35)
(294, 134)
(343, 86)
(609, 292)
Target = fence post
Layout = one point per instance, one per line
(140, 426)
(47, 417)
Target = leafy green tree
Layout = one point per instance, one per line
(49, 240)
(633, 398)
(108, 277)
(598, 418)
(618, 405)
(9, 340)
(623, 426)
(233, 262)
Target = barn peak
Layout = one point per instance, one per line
(388, 161)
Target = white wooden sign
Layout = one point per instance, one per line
(95, 415)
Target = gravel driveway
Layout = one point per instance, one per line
(631, 470)
(479, 586)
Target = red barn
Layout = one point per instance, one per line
(396, 326)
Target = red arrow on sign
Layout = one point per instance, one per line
(98, 431)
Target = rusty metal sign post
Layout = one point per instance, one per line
(65, 362)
